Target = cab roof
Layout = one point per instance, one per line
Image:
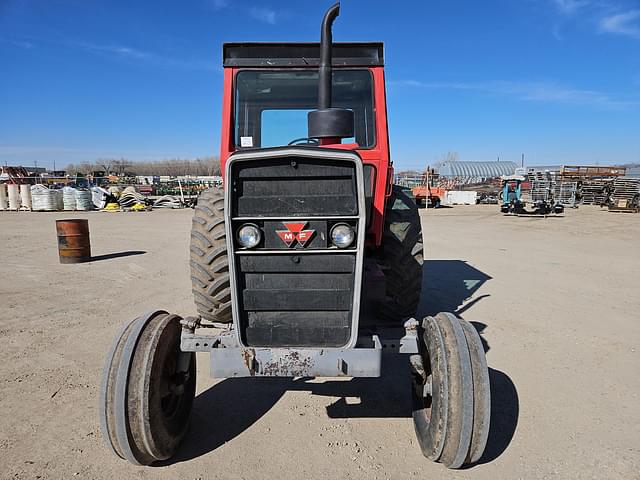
(300, 54)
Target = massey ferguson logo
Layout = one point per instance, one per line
(294, 233)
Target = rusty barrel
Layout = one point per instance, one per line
(73, 240)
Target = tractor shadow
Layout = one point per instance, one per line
(448, 284)
(232, 406)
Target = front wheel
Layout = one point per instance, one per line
(450, 392)
(147, 390)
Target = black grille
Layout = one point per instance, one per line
(296, 300)
(297, 294)
(294, 187)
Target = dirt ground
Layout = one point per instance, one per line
(556, 301)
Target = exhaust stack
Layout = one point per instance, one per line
(328, 124)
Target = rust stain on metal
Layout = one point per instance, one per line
(249, 356)
(289, 365)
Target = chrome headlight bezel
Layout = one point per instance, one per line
(249, 235)
(343, 229)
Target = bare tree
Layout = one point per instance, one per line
(201, 166)
(106, 164)
(86, 168)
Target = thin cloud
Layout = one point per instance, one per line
(554, 93)
(568, 10)
(120, 52)
(218, 4)
(627, 24)
(543, 92)
(125, 52)
(150, 58)
(569, 7)
(266, 15)
(17, 43)
(603, 16)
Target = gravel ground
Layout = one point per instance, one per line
(556, 301)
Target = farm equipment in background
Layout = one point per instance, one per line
(428, 194)
(541, 192)
(279, 258)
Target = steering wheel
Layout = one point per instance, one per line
(304, 141)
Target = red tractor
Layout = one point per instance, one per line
(307, 231)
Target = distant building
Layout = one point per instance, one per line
(476, 170)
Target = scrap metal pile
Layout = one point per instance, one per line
(586, 185)
(595, 191)
(625, 194)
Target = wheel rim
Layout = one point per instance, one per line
(170, 388)
(423, 388)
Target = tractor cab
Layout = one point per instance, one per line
(273, 97)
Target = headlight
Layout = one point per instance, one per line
(249, 235)
(342, 235)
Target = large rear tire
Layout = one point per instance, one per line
(401, 256)
(209, 263)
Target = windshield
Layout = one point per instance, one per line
(271, 106)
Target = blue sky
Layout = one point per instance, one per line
(557, 80)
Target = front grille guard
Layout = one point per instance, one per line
(312, 153)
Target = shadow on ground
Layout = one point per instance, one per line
(448, 285)
(109, 256)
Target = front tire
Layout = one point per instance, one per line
(450, 392)
(147, 390)
(401, 257)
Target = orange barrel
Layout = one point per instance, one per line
(73, 240)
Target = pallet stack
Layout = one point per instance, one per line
(596, 191)
(626, 190)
